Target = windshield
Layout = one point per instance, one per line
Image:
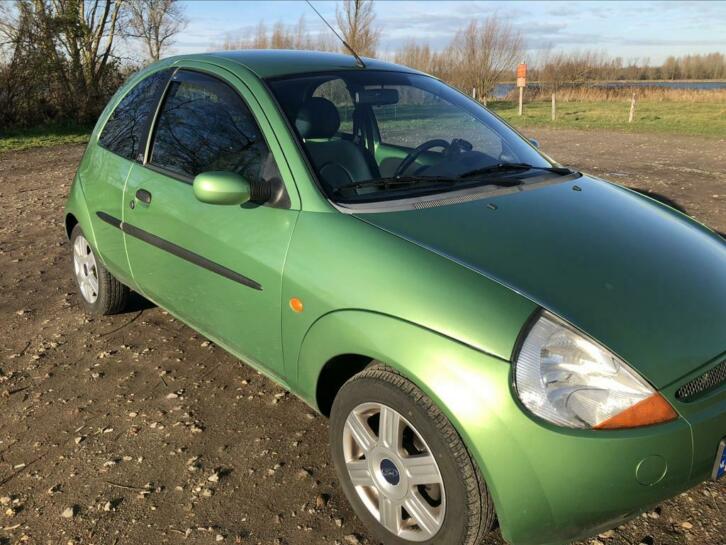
(374, 135)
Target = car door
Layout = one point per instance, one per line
(217, 267)
(104, 172)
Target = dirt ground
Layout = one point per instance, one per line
(136, 430)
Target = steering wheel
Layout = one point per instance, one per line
(414, 154)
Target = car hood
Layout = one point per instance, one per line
(642, 279)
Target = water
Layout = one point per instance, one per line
(501, 90)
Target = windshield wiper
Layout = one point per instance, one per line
(500, 167)
(396, 180)
(411, 180)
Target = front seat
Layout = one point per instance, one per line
(338, 161)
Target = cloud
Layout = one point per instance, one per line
(619, 28)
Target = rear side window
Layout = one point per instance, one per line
(125, 130)
(204, 125)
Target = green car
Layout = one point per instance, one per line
(494, 337)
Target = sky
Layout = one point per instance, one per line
(652, 30)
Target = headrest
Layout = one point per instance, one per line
(317, 118)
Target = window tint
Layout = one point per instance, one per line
(125, 129)
(205, 126)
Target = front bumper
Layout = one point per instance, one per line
(554, 485)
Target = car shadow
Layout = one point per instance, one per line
(668, 201)
(661, 198)
(137, 303)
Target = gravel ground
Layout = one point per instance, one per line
(134, 429)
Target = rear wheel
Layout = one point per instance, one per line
(100, 292)
(403, 466)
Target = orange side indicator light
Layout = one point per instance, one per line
(296, 305)
(652, 410)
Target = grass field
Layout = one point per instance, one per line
(40, 137)
(693, 118)
(653, 115)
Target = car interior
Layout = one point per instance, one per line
(339, 126)
(338, 159)
(361, 131)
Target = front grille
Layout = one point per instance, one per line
(711, 379)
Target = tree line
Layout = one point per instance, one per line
(356, 21)
(557, 68)
(60, 60)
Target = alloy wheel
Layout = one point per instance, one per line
(394, 472)
(84, 265)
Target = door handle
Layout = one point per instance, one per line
(143, 195)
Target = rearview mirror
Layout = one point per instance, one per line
(377, 97)
(221, 187)
(534, 142)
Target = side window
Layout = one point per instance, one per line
(336, 92)
(204, 125)
(125, 130)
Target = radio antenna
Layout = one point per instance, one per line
(358, 60)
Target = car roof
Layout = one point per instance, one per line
(270, 63)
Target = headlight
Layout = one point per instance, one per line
(570, 380)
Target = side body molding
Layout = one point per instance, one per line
(178, 251)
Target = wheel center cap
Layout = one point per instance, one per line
(390, 472)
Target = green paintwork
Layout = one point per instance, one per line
(273, 63)
(221, 187)
(442, 295)
(602, 258)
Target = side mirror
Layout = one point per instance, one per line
(534, 142)
(221, 187)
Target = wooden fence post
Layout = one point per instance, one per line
(632, 109)
(521, 94)
(473, 93)
(554, 107)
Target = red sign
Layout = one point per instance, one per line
(522, 75)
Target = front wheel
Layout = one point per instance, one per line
(403, 466)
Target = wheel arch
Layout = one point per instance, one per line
(333, 374)
(466, 384)
(76, 213)
(70, 222)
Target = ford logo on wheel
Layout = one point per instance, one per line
(390, 472)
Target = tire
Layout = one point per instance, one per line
(99, 292)
(457, 511)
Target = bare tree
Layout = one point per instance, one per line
(558, 69)
(8, 25)
(482, 52)
(418, 56)
(357, 23)
(282, 37)
(77, 39)
(155, 23)
(260, 41)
